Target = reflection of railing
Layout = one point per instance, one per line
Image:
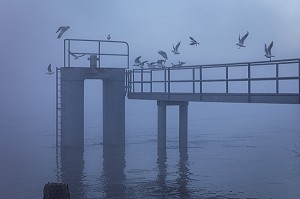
(137, 79)
(99, 53)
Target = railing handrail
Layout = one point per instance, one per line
(167, 80)
(238, 64)
(67, 43)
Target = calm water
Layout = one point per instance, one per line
(235, 151)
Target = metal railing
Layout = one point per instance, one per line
(138, 79)
(98, 53)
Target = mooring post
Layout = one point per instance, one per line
(161, 124)
(183, 124)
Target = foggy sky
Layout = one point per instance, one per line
(28, 42)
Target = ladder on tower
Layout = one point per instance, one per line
(58, 106)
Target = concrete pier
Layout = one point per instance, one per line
(72, 104)
(162, 120)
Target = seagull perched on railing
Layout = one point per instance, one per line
(178, 65)
(163, 54)
(77, 56)
(137, 61)
(143, 63)
(151, 65)
(193, 41)
(161, 63)
(62, 30)
(242, 40)
(108, 37)
(50, 72)
(268, 51)
(175, 49)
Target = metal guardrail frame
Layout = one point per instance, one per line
(67, 46)
(167, 75)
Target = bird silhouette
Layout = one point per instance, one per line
(175, 49)
(268, 51)
(163, 54)
(49, 72)
(76, 56)
(193, 42)
(108, 37)
(242, 40)
(62, 30)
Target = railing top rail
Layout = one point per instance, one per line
(240, 64)
(67, 50)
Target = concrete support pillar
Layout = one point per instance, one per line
(72, 105)
(114, 109)
(161, 124)
(72, 113)
(183, 125)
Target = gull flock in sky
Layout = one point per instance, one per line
(161, 63)
(194, 42)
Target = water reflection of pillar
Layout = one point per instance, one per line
(72, 165)
(113, 171)
(184, 174)
(162, 169)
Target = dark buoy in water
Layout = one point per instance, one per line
(56, 191)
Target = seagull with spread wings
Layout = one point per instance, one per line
(76, 56)
(242, 40)
(193, 42)
(175, 49)
(268, 51)
(163, 54)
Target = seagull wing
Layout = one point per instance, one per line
(49, 68)
(163, 54)
(193, 40)
(59, 29)
(266, 49)
(244, 37)
(137, 59)
(177, 46)
(61, 33)
(270, 47)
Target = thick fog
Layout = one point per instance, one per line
(28, 42)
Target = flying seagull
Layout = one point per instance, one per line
(175, 49)
(50, 72)
(242, 40)
(108, 37)
(137, 61)
(77, 56)
(163, 54)
(268, 51)
(62, 30)
(193, 42)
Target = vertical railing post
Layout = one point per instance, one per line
(249, 83)
(151, 81)
(226, 79)
(64, 53)
(69, 46)
(299, 80)
(133, 71)
(99, 47)
(277, 76)
(193, 80)
(142, 80)
(169, 83)
(165, 79)
(200, 81)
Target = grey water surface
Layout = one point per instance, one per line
(234, 151)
